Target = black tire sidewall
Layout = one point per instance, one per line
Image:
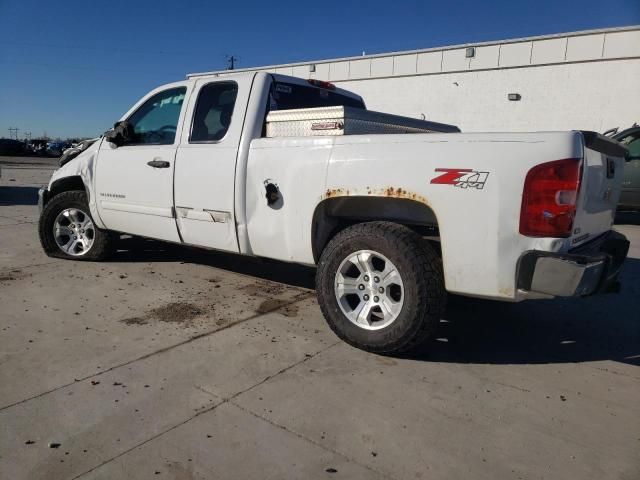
(405, 327)
(62, 201)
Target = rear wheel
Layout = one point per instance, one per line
(67, 230)
(380, 287)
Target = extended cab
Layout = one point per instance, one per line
(392, 220)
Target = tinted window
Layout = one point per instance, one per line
(632, 142)
(156, 121)
(214, 110)
(634, 148)
(286, 96)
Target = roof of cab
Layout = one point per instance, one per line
(276, 76)
(224, 73)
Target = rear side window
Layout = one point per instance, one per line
(214, 110)
(632, 142)
(156, 121)
(634, 148)
(287, 96)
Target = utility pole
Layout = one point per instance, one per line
(231, 62)
(13, 131)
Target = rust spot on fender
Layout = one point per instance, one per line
(390, 191)
(399, 192)
(335, 192)
(506, 291)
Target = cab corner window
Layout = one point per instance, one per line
(156, 121)
(213, 113)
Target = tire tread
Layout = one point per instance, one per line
(426, 268)
(103, 241)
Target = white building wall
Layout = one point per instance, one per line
(583, 80)
(584, 96)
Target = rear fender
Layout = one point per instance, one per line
(339, 211)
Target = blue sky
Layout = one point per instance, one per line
(71, 68)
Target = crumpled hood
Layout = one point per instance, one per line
(71, 153)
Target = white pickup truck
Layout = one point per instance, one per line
(392, 220)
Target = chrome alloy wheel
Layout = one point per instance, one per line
(73, 232)
(369, 290)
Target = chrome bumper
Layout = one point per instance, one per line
(589, 269)
(43, 196)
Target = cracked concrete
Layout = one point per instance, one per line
(250, 383)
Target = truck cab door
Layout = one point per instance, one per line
(134, 182)
(206, 163)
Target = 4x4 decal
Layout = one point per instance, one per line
(461, 177)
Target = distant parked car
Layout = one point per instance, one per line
(55, 149)
(630, 196)
(11, 147)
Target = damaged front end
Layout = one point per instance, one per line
(71, 153)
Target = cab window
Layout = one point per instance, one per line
(214, 111)
(633, 144)
(156, 121)
(287, 96)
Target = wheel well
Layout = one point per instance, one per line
(65, 184)
(335, 214)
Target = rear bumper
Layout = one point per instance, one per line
(43, 196)
(588, 269)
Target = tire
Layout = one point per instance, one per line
(101, 241)
(422, 295)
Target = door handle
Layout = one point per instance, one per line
(159, 164)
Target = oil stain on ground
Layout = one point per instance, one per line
(177, 312)
(285, 308)
(263, 289)
(11, 275)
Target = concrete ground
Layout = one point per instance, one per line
(167, 362)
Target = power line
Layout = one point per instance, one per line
(83, 67)
(101, 49)
(231, 62)
(13, 132)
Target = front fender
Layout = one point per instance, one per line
(82, 167)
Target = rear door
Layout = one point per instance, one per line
(134, 182)
(206, 163)
(603, 164)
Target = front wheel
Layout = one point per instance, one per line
(66, 229)
(380, 287)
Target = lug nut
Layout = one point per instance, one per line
(376, 279)
(375, 299)
(381, 289)
(366, 297)
(360, 287)
(366, 278)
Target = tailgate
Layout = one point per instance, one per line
(603, 167)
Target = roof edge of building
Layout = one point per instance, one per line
(426, 50)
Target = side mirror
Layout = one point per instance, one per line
(121, 133)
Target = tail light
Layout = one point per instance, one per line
(321, 84)
(549, 198)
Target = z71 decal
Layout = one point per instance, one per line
(461, 177)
